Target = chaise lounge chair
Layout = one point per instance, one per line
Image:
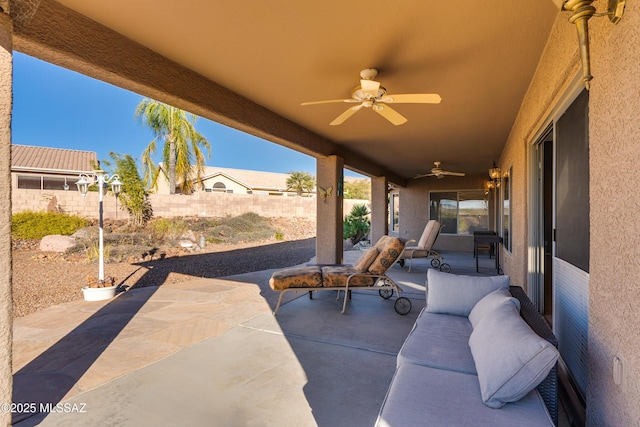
(369, 272)
(424, 248)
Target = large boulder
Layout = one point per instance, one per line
(57, 243)
(86, 233)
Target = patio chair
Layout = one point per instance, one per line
(424, 248)
(369, 272)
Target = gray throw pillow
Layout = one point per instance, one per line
(511, 359)
(489, 302)
(457, 294)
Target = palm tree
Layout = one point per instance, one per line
(301, 182)
(182, 145)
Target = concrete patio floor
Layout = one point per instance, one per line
(209, 352)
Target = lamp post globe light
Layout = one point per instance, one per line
(100, 178)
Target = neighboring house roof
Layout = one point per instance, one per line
(255, 180)
(45, 159)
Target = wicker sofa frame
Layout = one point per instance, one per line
(548, 388)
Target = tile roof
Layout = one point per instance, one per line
(252, 179)
(257, 179)
(51, 159)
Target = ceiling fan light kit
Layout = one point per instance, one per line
(371, 94)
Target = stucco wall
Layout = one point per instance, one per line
(614, 133)
(414, 209)
(228, 183)
(614, 128)
(6, 322)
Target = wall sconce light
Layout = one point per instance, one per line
(494, 175)
(582, 12)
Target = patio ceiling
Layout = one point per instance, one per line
(480, 57)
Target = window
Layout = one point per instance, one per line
(30, 182)
(461, 212)
(395, 211)
(219, 187)
(506, 210)
(44, 182)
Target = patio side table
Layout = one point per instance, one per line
(495, 240)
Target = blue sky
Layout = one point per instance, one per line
(55, 107)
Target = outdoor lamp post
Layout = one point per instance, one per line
(100, 178)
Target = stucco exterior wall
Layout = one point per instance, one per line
(557, 70)
(6, 318)
(614, 144)
(614, 128)
(414, 209)
(228, 183)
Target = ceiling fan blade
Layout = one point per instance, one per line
(344, 116)
(329, 101)
(413, 98)
(422, 175)
(452, 173)
(390, 114)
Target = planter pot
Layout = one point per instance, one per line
(99, 294)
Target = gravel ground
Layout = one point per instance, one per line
(41, 280)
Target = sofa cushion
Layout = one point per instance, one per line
(439, 341)
(366, 259)
(336, 276)
(297, 277)
(511, 359)
(423, 396)
(457, 294)
(389, 252)
(489, 302)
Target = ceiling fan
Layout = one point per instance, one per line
(438, 172)
(370, 94)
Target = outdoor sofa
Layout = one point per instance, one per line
(479, 354)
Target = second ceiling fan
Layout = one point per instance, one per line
(438, 172)
(370, 94)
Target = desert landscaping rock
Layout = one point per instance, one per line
(44, 279)
(57, 243)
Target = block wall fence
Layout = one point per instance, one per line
(200, 204)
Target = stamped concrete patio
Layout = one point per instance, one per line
(210, 352)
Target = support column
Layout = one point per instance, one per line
(329, 233)
(6, 318)
(379, 208)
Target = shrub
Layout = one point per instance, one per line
(243, 228)
(246, 222)
(357, 224)
(36, 225)
(133, 195)
(168, 228)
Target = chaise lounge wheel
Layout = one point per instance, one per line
(445, 267)
(435, 263)
(386, 293)
(402, 305)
